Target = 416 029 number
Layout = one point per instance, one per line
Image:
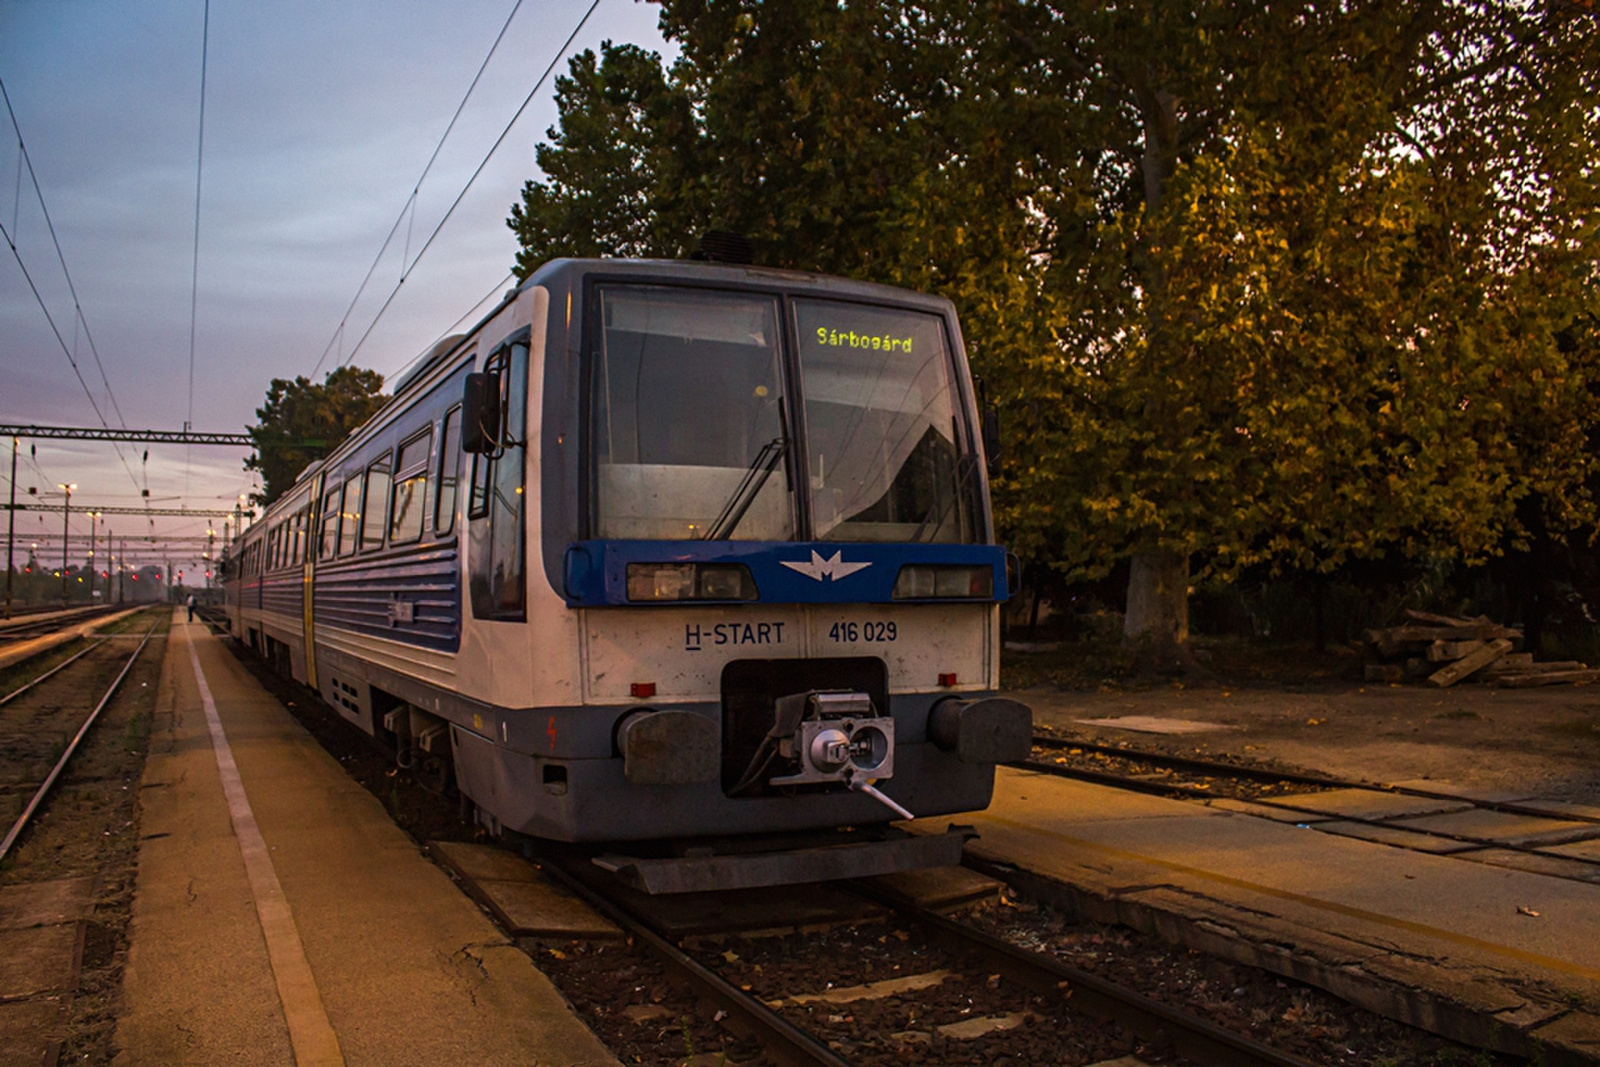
(852, 632)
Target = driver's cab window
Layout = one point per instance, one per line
(688, 427)
(497, 502)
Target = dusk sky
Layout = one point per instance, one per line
(319, 119)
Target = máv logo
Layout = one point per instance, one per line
(831, 568)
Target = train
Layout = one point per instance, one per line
(665, 552)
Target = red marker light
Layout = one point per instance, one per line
(947, 680)
(643, 690)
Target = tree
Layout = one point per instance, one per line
(302, 421)
(1255, 284)
(1333, 246)
(614, 166)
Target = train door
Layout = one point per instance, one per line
(497, 505)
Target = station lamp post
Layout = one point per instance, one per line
(66, 515)
(94, 523)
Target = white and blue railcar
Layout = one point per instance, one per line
(661, 550)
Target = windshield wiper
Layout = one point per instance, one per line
(755, 476)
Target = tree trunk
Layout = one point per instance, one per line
(1158, 603)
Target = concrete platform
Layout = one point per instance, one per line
(1436, 941)
(281, 917)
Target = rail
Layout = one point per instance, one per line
(1159, 1024)
(55, 772)
(782, 1041)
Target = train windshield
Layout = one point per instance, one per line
(694, 437)
(882, 426)
(688, 426)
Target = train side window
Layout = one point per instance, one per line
(478, 490)
(410, 489)
(330, 524)
(376, 503)
(349, 516)
(498, 576)
(444, 504)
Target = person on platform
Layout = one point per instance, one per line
(190, 604)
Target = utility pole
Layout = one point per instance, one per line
(11, 526)
(66, 515)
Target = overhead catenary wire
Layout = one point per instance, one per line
(194, 288)
(406, 273)
(26, 160)
(23, 159)
(411, 201)
(447, 331)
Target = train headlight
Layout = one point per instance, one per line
(930, 581)
(655, 582)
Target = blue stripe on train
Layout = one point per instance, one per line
(789, 572)
(375, 597)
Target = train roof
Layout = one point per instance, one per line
(558, 270)
(572, 272)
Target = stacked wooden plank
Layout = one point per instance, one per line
(1445, 649)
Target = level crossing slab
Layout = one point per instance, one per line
(1363, 804)
(280, 916)
(1421, 933)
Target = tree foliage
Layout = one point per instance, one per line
(1276, 285)
(302, 421)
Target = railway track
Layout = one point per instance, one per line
(752, 1002)
(40, 623)
(31, 729)
(1536, 829)
(928, 962)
